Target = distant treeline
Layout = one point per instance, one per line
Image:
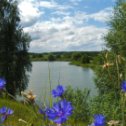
(83, 57)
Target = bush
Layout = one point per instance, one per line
(80, 102)
(106, 104)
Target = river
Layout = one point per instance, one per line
(44, 73)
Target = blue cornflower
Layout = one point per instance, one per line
(123, 86)
(2, 83)
(5, 112)
(60, 111)
(99, 120)
(58, 92)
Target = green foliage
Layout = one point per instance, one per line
(106, 104)
(110, 75)
(112, 68)
(76, 56)
(79, 99)
(85, 59)
(117, 34)
(14, 44)
(51, 57)
(99, 59)
(108, 82)
(81, 57)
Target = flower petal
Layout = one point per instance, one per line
(3, 118)
(3, 110)
(99, 120)
(10, 111)
(51, 114)
(60, 120)
(56, 106)
(123, 86)
(58, 92)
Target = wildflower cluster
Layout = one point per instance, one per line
(4, 111)
(60, 110)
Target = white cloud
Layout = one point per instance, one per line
(47, 4)
(100, 16)
(53, 5)
(29, 12)
(62, 33)
(103, 15)
(63, 36)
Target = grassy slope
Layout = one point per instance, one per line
(28, 114)
(21, 111)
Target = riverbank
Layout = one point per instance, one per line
(89, 65)
(76, 63)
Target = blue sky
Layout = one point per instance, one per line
(66, 25)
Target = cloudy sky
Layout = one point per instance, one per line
(65, 25)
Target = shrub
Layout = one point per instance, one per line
(79, 99)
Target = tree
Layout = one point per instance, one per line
(85, 59)
(76, 56)
(51, 57)
(110, 75)
(116, 37)
(14, 45)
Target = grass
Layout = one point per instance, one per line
(21, 111)
(30, 115)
